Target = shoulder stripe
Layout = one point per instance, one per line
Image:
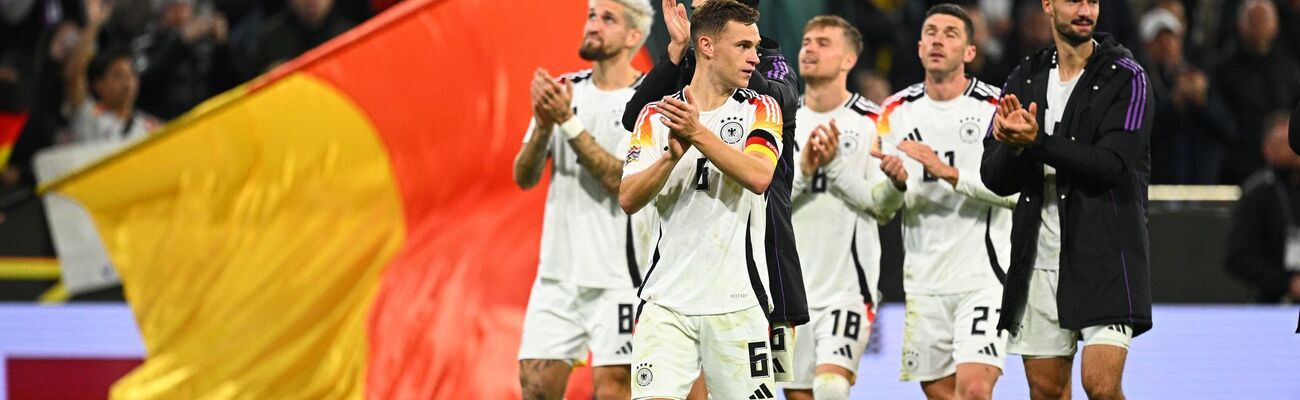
(577, 76)
(1137, 97)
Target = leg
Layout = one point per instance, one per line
(944, 388)
(551, 340)
(543, 379)
(832, 382)
(1049, 377)
(979, 348)
(799, 394)
(612, 382)
(1103, 368)
(975, 381)
(736, 355)
(608, 315)
(698, 391)
(1105, 350)
(666, 352)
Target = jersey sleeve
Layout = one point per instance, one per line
(765, 135)
(643, 146)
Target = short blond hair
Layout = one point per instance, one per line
(639, 14)
(851, 33)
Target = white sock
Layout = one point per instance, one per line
(830, 386)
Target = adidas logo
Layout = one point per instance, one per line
(915, 135)
(1118, 328)
(845, 351)
(990, 350)
(762, 392)
(625, 350)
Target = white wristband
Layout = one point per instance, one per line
(572, 128)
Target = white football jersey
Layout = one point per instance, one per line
(956, 239)
(587, 239)
(711, 247)
(838, 239)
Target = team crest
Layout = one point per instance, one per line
(848, 140)
(732, 131)
(970, 130)
(911, 361)
(643, 374)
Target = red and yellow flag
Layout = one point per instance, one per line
(11, 124)
(347, 225)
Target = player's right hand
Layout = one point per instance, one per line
(892, 166)
(679, 29)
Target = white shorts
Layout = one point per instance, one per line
(941, 331)
(1041, 335)
(838, 337)
(732, 348)
(563, 321)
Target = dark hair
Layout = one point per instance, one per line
(834, 21)
(751, 3)
(102, 61)
(956, 11)
(713, 16)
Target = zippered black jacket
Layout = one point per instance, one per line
(1103, 164)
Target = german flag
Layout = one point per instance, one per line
(345, 226)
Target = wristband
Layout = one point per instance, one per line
(572, 128)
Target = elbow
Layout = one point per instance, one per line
(523, 180)
(758, 185)
(629, 204)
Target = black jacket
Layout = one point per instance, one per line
(776, 79)
(1101, 154)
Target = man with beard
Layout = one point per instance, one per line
(591, 252)
(1079, 245)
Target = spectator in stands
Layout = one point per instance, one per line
(1192, 123)
(112, 79)
(1264, 240)
(872, 86)
(186, 60)
(304, 24)
(1256, 78)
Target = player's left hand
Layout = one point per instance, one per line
(557, 98)
(830, 145)
(1014, 125)
(929, 160)
(681, 117)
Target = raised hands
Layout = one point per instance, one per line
(679, 29)
(1014, 125)
(822, 147)
(551, 100)
(681, 117)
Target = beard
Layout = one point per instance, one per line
(1068, 33)
(595, 53)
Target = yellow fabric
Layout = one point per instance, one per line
(195, 217)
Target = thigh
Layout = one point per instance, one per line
(977, 339)
(665, 351)
(844, 336)
(736, 355)
(608, 315)
(927, 339)
(1040, 333)
(1105, 352)
(551, 330)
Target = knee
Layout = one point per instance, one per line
(617, 387)
(1103, 389)
(1044, 389)
(536, 382)
(830, 386)
(975, 390)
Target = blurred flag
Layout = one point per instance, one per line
(347, 225)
